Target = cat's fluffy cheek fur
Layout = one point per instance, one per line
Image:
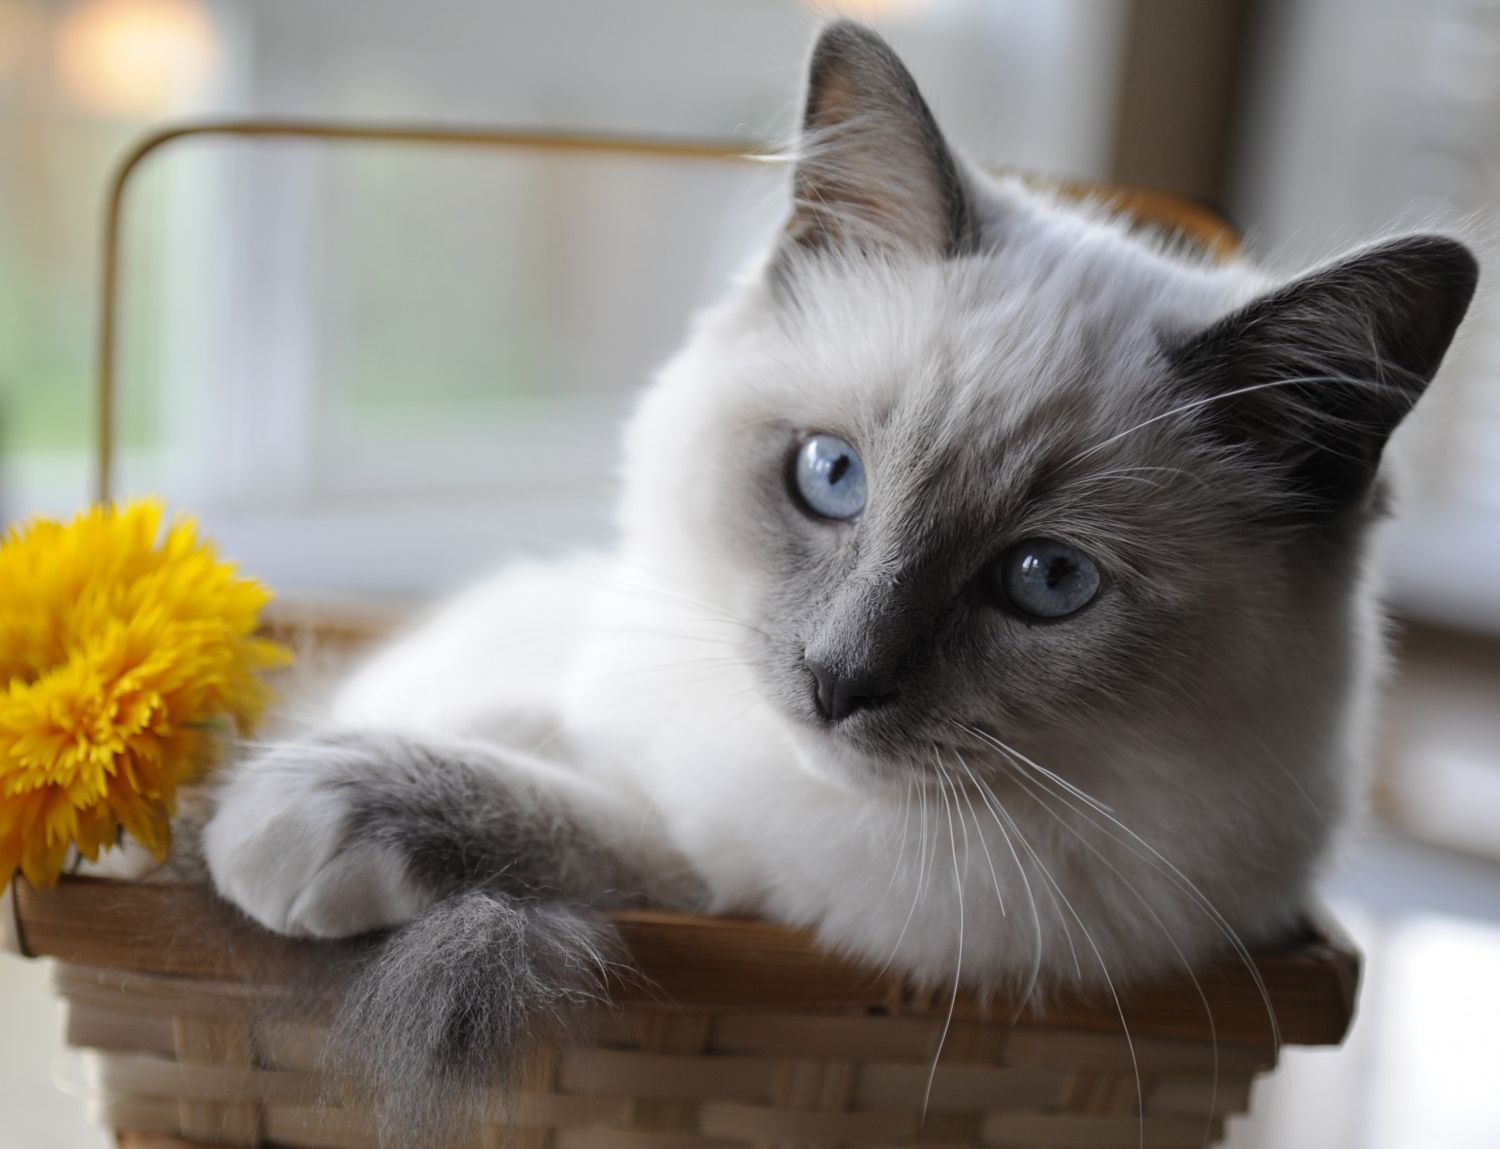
(277, 848)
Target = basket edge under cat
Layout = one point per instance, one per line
(738, 1032)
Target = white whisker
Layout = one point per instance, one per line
(958, 967)
(1140, 1094)
(1208, 1013)
(901, 849)
(1170, 870)
(916, 893)
(985, 846)
(1194, 404)
(1036, 917)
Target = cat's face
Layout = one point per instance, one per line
(930, 524)
(981, 470)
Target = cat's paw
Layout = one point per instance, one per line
(279, 846)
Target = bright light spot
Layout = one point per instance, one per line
(1437, 1064)
(872, 10)
(136, 58)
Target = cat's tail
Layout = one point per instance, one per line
(437, 1016)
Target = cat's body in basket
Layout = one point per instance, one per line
(991, 598)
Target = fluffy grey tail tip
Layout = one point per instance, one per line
(438, 1017)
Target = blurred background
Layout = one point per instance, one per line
(373, 371)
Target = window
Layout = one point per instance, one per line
(377, 369)
(1368, 117)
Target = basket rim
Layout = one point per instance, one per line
(711, 964)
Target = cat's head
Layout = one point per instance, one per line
(977, 464)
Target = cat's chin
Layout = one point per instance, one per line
(830, 757)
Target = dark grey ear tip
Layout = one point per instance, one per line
(1436, 245)
(849, 44)
(841, 37)
(1440, 258)
(1463, 265)
(1449, 271)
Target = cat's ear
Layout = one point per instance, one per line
(1316, 375)
(872, 169)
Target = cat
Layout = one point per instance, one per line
(991, 597)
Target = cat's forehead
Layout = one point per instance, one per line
(1055, 313)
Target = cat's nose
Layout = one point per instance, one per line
(840, 693)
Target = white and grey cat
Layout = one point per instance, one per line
(990, 597)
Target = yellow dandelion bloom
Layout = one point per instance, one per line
(128, 647)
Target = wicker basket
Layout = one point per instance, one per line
(748, 1035)
(741, 1033)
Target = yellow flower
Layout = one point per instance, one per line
(127, 651)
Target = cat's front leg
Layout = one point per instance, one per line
(352, 831)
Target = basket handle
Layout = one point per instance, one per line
(1197, 221)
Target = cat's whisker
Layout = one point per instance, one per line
(1221, 396)
(634, 698)
(752, 424)
(1163, 864)
(1032, 791)
(659, 678)
(682, 592)
(1036, 918)
(932, 857)
(1140, 1094)
(755, 701)
(1292, 779)
(999, 897)
(1142, 468)
(672, 599)
(653, 586)
(722, 659)
(944, 784)
(917, 886)
(901, 838)
(661, 633)
(1105, 478)
(1002, 818)
(1055, 778)
(671, 591)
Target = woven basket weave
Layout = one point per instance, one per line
(747, 1036)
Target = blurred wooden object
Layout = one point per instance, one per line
(1178, 98)
(1438, 776)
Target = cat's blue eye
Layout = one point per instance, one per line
(1048, 579)
(830, 478)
